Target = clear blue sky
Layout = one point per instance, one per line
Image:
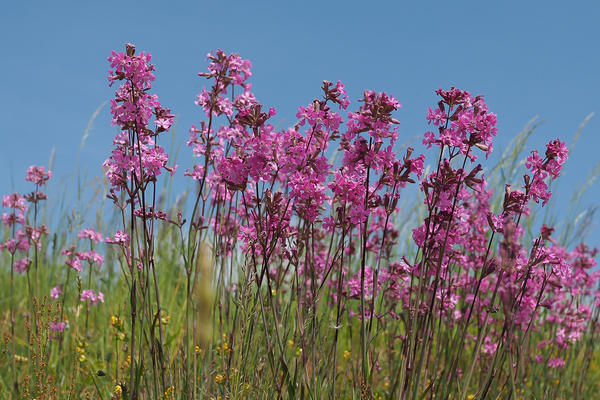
(528, 59)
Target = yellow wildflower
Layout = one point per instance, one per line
(170, 393)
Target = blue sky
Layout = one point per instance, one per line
(528, 59)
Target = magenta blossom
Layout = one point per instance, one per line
(58, 326)
(541, 168)
(38, 175)
(90, 256)
(120, 237)
(55, 292)
(89, 233)
(556, 362)
(136, 156)
(22, 265)
(463, 122)
(93, 298)
(14, 200)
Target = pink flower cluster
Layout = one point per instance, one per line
(282, 175)
(463, 122)
(225, 71)
(89, 233)
(27, 235)
(75, 258)
(19, 207)
(550, 166)
(120, 238)
(136, 158)
(279, 186)
(56, 292)
(38, 175)
(90, 296)
(58, 326)
(304, 220)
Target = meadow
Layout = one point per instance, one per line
(296, 269)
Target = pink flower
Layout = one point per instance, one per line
(9, 219)
(437, 117)
(556, 155)
(539, 358)
(14, 200)
(535, 163)
(91, 257)
(132, 109)
(430, 139)
(374, 117)
(489, 346)
(136, 69)
(197, 173)
(38, 175)
(416, 165)
(93, 298)
(89, 233)
(22, 265)
(58, 326)
(120, 238)
(234, 172)
(556, 362)
(557, 150)
(471, 123)
(55, 292)
(164, 123)
(74, 263)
